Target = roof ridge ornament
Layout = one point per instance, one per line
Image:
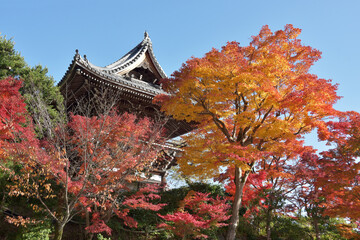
(146, 34)
(77, 55)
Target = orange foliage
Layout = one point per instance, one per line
(248, 101)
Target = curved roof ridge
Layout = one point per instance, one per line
(153, 58)
(131, 54)
(134, 55)
(84, 61)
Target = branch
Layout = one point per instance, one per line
(220, 124)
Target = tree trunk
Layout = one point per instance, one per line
(88, 236)
(240, 181)
(59, 229)
(268, 222)
(316, 227)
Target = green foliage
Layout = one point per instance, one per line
(101, 237)
(302, 228)
(39, 90)
(11, 62)
(172, 198)
(287, 228)
(38, 232)
(43, 99)
(330, 231)
(213, 189)
(247, 230)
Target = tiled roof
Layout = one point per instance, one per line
(113, 71)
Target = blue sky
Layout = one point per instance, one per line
(48, 32)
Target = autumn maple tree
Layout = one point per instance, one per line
(83, 167)
(326, 183)
(247, 103)
(340, 169)
(93, 162)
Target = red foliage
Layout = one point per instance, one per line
(307, 194)
(113, 149)
(14, 119)
(143, 199)
(98, 225)
(198, 211)
(91, 160)
(340, 167)
(12, 108)
(128, 221)
(327, 183)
